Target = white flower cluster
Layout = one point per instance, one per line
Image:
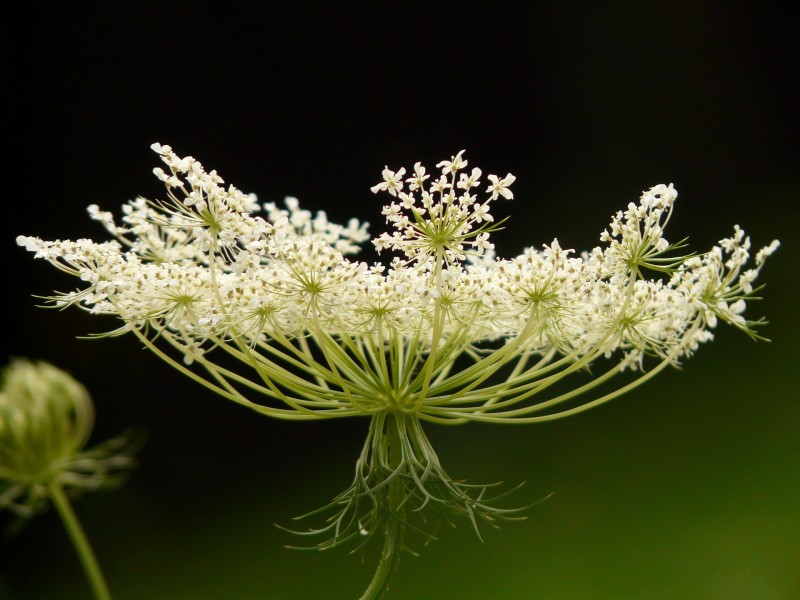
(442, 222)
(444, 332)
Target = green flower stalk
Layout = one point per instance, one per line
(446, 333)
(46, 418)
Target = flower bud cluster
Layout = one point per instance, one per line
(46, 418)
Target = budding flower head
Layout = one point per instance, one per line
(46, 418)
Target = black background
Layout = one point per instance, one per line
(587, 103)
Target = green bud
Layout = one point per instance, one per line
(46, 419)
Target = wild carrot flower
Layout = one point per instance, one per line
(445, 333)
(46, 418)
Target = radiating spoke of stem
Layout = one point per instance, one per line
(80, 541)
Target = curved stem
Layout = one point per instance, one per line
(395, 518)
(390, 557)
(79, 541)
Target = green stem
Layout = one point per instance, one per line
(395, 521)
(80, 541)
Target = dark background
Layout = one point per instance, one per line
(686, 488)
